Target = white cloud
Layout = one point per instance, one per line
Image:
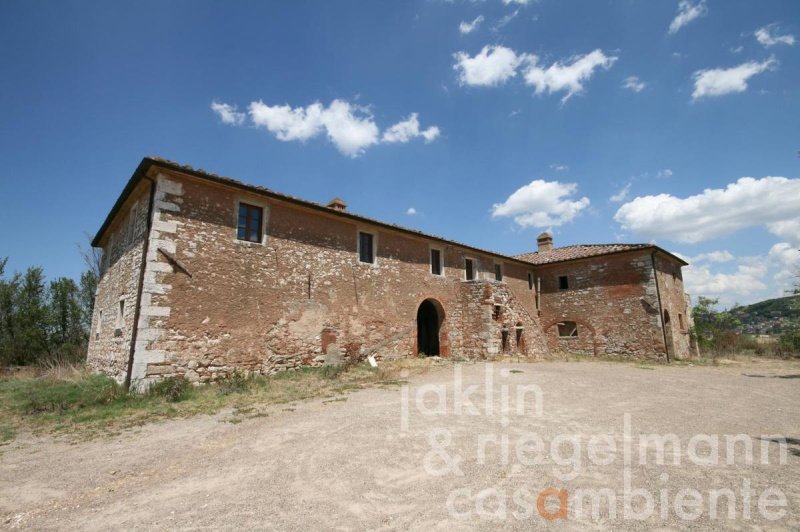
(228, 113)
(493, 66)
(542, 204)
(351, 128)
(469, 27)
(621, 195)
(569, 77)
(505, 20)
(746, 280)
(719, 81)
(712, 256)
(408, 129)
(767, 36)
(559, 167)
(687, 12)
(633, 83)
(411, 211)
(737, 50)
(520, 2)
(664, 174)
(773, 202)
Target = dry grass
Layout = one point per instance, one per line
(66, 399)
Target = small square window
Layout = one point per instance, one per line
(436, 262)
(366, 248)
(498, 272)
(249, 226)
(469, 270)
(563, 283)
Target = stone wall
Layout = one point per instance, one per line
(674, 302)
(112, 330)
(612, 299)
(212, 303)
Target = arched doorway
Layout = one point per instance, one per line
(429, 320)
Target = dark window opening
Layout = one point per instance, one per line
(568, 329)
(530, 281)
(498, 272)
(563, 283)
(436, 262)
(680, 320)
(366, 252)
(519, 338)
(469, 270)
(497, 312)
(428, 322)
(666, 317)
(504, 338)
(120, 319)
(249, 227)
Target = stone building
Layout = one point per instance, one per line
(203, 274)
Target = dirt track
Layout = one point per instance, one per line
(351, 464)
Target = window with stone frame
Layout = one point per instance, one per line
(249, 228)
(366, 247)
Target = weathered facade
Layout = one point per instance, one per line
(203, 275)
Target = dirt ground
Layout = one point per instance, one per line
(412, 458)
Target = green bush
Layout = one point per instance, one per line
(173, 389)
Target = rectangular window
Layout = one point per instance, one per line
(680, 320)
(469, 270)
(366, 250)
(563, 283)
(568, 329)
(249, 227)
(530, 281)
(99, 325)
(436, 262)
(498, 272)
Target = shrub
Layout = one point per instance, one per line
(173, 389)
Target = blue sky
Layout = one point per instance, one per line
(609, 121)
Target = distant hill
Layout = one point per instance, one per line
(767, 317)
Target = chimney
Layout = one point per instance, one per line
(545, 242)
(337, 204)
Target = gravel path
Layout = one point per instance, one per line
(361, 463)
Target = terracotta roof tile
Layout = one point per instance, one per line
(579, 251)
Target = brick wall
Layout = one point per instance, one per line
(612, 299)
(212, 303)
(674, 302)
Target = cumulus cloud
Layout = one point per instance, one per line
(720, 81)
(747, 279)
(228, 113)
(351, 128)
(542, 204)
(773, 202)
(408, 129)
(569, 77)
(411, 211)
(768, 36)
(634, 83)
(492, 66)
(469, 27)
(621, 195)
(687, 12)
